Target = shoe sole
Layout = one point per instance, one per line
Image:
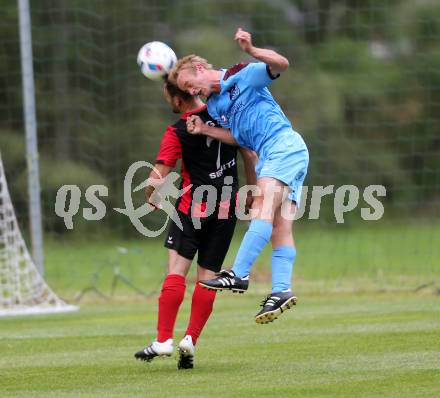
(219, 289)
(270, 316)
(183, 352)
(150, 359)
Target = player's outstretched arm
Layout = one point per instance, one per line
(155, 180)
(277, 63)
(195, 125)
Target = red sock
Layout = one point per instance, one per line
(201, 308)
(171, 296)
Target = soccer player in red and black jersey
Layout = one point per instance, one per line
(203, 162)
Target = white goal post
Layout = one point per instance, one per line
(22, 288)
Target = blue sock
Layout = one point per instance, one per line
(253, 243)
(283, 258)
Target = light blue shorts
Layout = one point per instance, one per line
(286, 160)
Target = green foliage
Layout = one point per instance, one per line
(363, 88)
(424, 24)
(200, 41)
(53, 174)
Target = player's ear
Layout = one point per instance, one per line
(178, 102)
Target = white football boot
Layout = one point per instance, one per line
(186, 353)
(155, 349)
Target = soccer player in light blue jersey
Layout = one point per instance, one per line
(238, 98)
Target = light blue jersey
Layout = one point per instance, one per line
(246, 107)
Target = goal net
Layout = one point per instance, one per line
(22, 289)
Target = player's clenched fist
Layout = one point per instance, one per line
(194, 124)
(244, 39)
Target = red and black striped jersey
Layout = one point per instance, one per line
(205, 161)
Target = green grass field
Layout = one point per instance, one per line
(363, 326)
(336, 346)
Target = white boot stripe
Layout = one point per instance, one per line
(225, 281)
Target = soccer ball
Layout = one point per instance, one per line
(156, 59)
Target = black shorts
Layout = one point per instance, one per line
(211, 241)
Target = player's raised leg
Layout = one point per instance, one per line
(283, 257)
(171, 296)
(257, 236)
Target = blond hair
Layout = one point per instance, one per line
(188, 62)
